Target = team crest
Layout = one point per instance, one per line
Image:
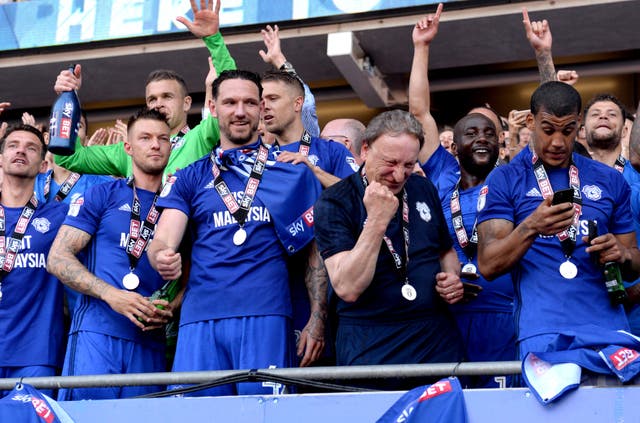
(423, 209)
(482, 197)
(592, 192)
(314, 159)
(41, 224)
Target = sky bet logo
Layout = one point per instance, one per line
(298, 226)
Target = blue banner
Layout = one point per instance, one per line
(43, 23)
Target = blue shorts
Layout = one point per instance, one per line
(90, 353)
(27, 371)
(488, 336)
(241, 343)
(425, 340)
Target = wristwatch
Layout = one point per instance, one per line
(287, 67)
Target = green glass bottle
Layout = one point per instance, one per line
(613, 281)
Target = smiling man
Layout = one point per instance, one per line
(30, 298)
(485, 318)
(604, 119)
(246, 214)
(562, 301)
(388, 254)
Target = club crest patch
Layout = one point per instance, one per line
(423, 209)
(592, 192)
(41, 224)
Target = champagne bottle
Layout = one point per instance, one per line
(64, 123)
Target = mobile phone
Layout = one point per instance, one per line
(472, 276)
(592, 230)
(471, 288)
(563, 196)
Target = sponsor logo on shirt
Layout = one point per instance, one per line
(533, 192)
(482, 197)
(623, 357)
(210, 185)
(166, 189)
(352, 162)
(126, 207)
(592, 192)
(307, 216)
(41, 224)
(74, 208)
(256, 213)
(435, 390)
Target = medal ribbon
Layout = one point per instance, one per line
(9, 247)
(401, 265)
(240, 211)
(305, 144)
(568, 236)
(619, 164)
(468, 245)
(140, 232)
(176, 140)
(64, 189)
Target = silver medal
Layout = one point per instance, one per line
(409, 292)
(568, 270)
(130, 281)
(240, 237)
(469, 268)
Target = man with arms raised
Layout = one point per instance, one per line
(485, 320)
(166, 91)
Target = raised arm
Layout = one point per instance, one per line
(63, 263)
(206, 25)
(276, 58)
(539, 36)
(419, 96)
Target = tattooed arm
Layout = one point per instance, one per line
(539, 36)
(501, 244)
(63, 263)
(311, 342)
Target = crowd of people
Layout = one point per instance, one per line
(385, 244)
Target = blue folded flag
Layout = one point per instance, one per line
(442, 401)
(25, 404)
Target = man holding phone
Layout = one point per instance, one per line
(562, 298)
